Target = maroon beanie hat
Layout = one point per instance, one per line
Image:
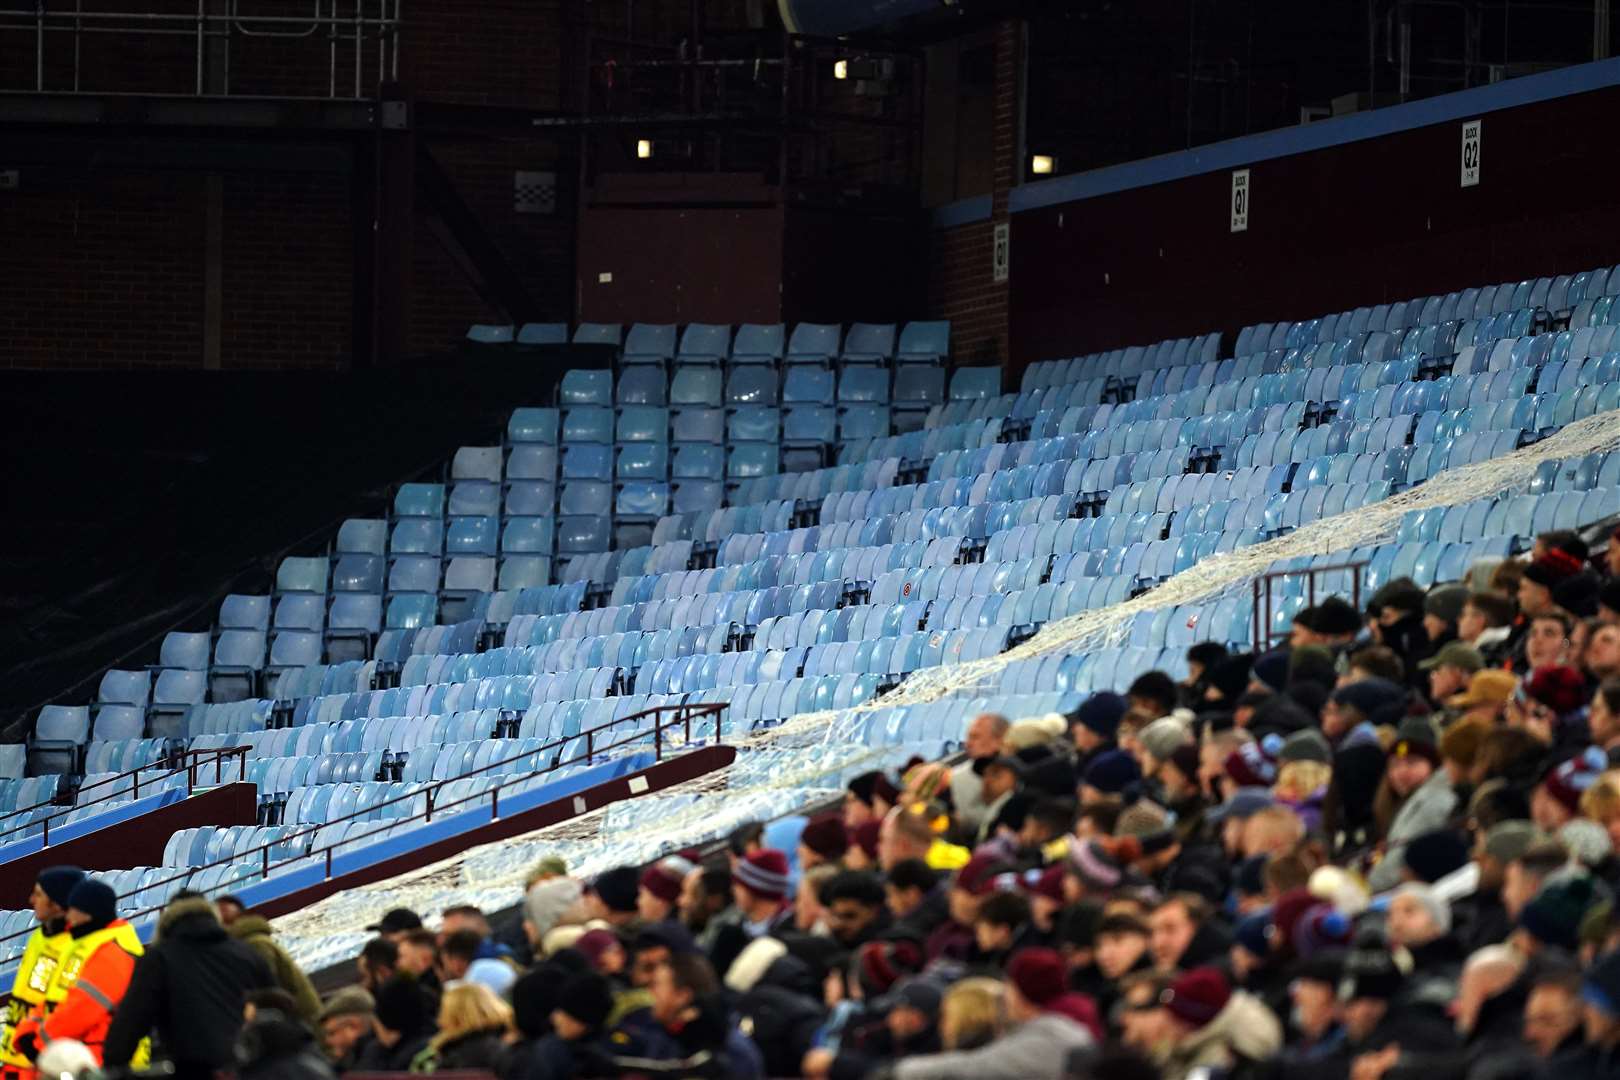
(664, 878)
(1197, 997)
(826, 837)
(884, 963)
(1039, 975)
(763, 873)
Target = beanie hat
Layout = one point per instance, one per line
(668, 934)
(764, 873)
(827, 837)
(1439, 910)
(1368, 696)
(1333, 616)
(1344, 889)
(616, 888)
(1111, 772)
(1569, 781)
(498, 975)
(1271, 669)
(1446, 602)
(1101, 713)
(1554, 914)
(96, 899)
(1251, 933)
(57, 882)
(1320, 928)
(1433, 855)
(978, 873)
(595, 944)
(1091, 862)
(1231, 676)
(1286, 913)
(1185, 759)
(874, 784)
(1077, 924)
(1402, 594)
(865, 837)
(350, 1001)
(1197, 997)
(1509, 840)
(1602, 986)
(753, 962)
(1553, 567)
(1143, 819)
(1415, 738)
(1559, 688)
(588, 999)
(1312, 664)
(1588, 842)
(1307, 745)
(402, 1006)
(547, 901)
(1577, 595)
(1253, 764)
(1039, 975)
(881, 964)
(665, 877)
(1161, 737)
(1047, 883)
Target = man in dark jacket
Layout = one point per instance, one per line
(687, 1032)
(190, 987)
(403, 1023)
(907, 1023)
(277, 1046)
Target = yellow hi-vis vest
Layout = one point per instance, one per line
(80, 950)
(40, 960)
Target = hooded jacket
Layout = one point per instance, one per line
(277, 1047)
(254, 931)
(1245, 1030)
(1038, 1049)
(190, 986)
(1428, 808)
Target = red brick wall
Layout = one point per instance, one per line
(102, 271)
(961, 286)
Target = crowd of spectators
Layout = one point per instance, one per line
(1383, 849)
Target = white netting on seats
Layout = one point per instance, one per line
(806, 760)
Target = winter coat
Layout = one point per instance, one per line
(1587, 1063)
(782, 1023)
(709, 1046)
(476, 1050)
(1493, 1051)
(397, 1058)
(190, 986)
(1037, 1049)
(869, 1046)
(1245, 1030)
(1428, 808)
(254, 931)
(553, 1058)
(276, 1047)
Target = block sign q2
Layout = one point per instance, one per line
(1240, 200)
(1470, 153)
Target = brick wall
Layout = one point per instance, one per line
(961, 285)
(102, 271)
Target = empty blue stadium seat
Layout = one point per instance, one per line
(588, 424)
(649, 343)
(300, 612)
(924, 342)
(362, 536)
(533, 426)
(811, 343)
(704, 343)
(239, 612)
(585, 387)
(417, 536)
(642, 424)
(188, 651)
(543, 334)
(485, 334)
(751, 386)
(758, 343)
(419, 500)
(301, 574)
(869, 343)
(477, 463)
(411, 611)
(641, 386)
(598, 334)
(975, 384)
(358, 574)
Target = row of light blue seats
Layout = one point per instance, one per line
(1598, 469)
(815, 483)
(712, 525)
(1434, 562)
(202, 846)
(120, 755)
(1127, 361)
(24, 792)
(975, 579)
(233, 716)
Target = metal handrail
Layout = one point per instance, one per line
(172, 763)
(687, 713)
(1263, 636)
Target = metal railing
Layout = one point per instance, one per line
(353, 30)
(1264, 593)
(190, 762)
(683, 719)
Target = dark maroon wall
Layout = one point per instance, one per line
(1360, 223)
(137, 842)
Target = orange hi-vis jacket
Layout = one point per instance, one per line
(89, 983)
